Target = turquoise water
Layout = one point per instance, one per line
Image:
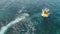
(9, 9)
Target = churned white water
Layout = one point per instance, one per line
(18, 19)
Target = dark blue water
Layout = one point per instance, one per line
(51, 25)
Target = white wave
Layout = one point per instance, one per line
(4, 28)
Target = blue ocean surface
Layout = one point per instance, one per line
(13, 18)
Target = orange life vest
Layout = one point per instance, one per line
(45, 12)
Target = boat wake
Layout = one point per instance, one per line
(18, 19)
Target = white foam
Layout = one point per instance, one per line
(4, 28)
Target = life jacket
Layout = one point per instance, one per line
(45, 12)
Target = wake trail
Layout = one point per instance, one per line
(18, 19)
